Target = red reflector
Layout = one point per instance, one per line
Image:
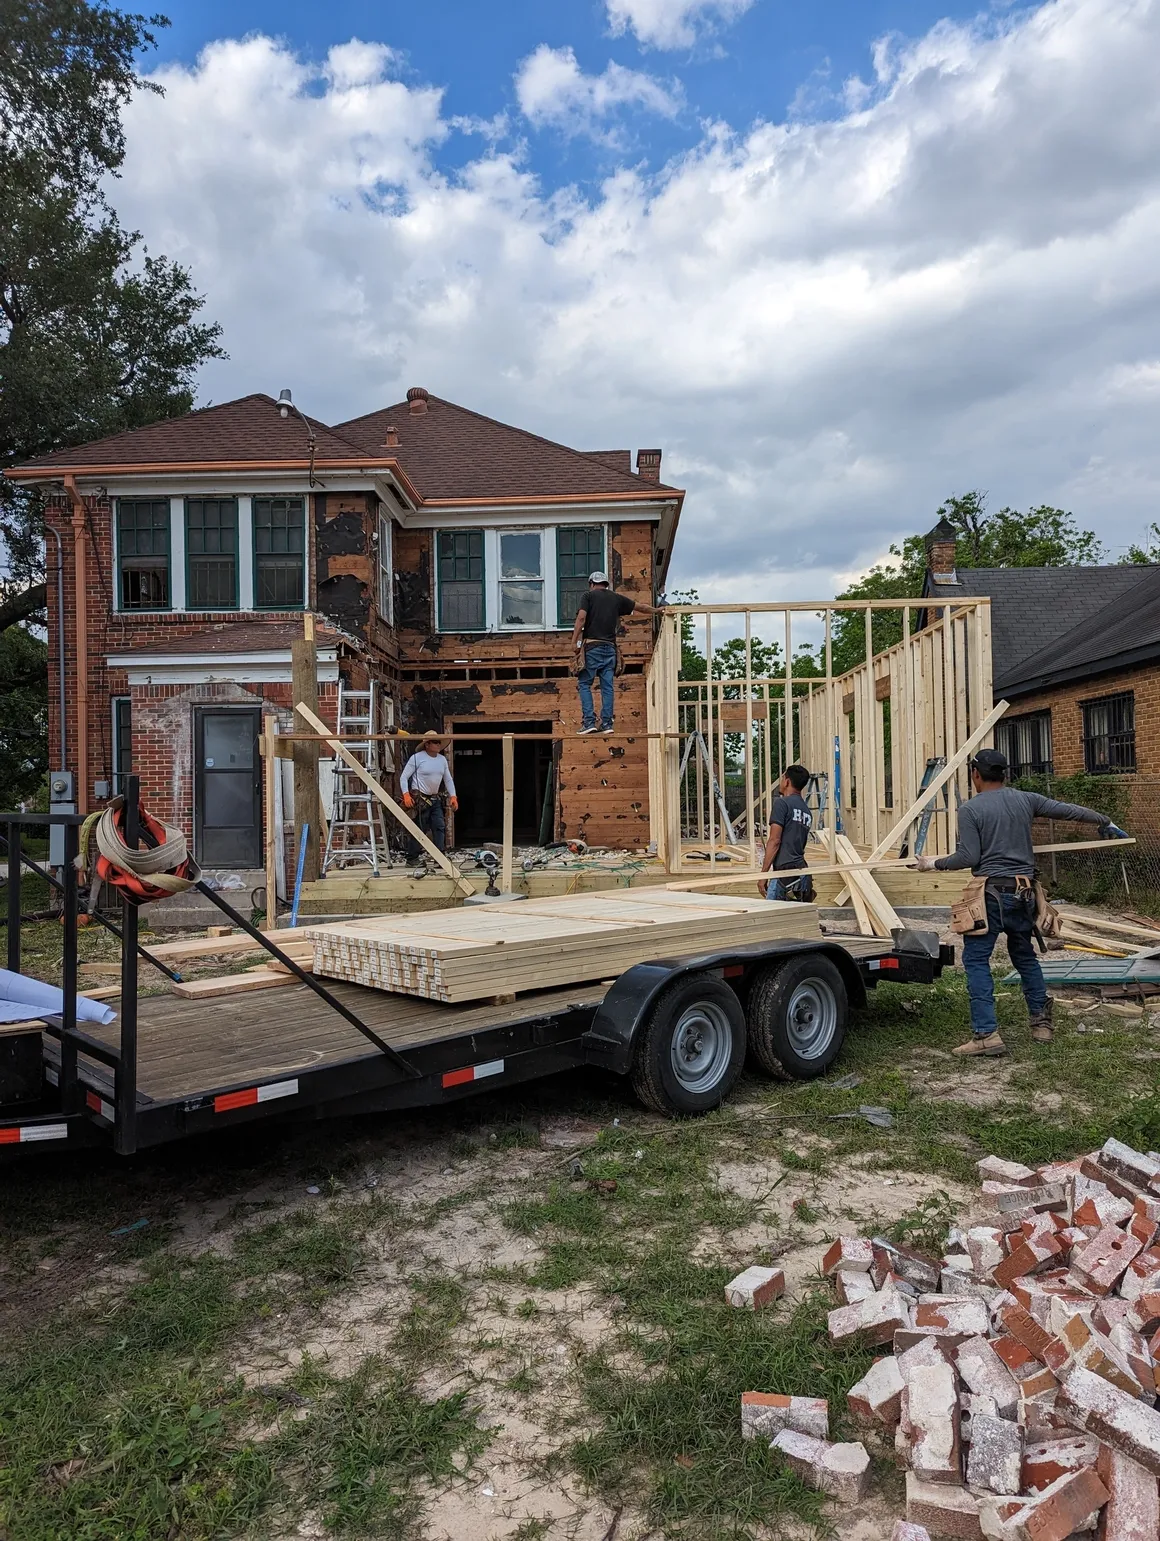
(733, 971)
(890, 963)
(93, 1101)
(459, 1077)
(246, 1099)
(9, 1136)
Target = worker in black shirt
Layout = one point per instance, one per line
(597, 622)
(790, 822)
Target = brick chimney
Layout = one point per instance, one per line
(940, 552)
(417, 400)
(392, 436)
(648, 465)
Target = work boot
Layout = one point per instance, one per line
(1041, 1023)
(990, 1047)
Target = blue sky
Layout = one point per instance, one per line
(838, 260)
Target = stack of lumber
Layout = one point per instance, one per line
(1106, 933)
(236, 947)
(473, 953)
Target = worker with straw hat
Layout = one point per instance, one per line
(425, 782)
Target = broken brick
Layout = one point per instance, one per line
(1132, 1512)
(755, 1287)
(878, 1394)
(1052, 1515)
(1017, 1359)
(1132, 1165)
(915, 1267)
(905, 1531)
(944, 1511)
(933, 1413)
(765, 1414)
(1142, 1276)
(1013, 1173)
(1143, 1313)
(1099, 1264)
(1093, 1405)
(840, 1470)
(985, 1247)
(1046, 1460)
(871, 1321)
(1023, 1327)
(986, 1374)
(1134, 1348)
(1098, 1212)
(951, 1313)
(852, 1286)
(1120, 1186)
(1051, 1196)
(995, 1461)
(850, 1252)
(1145, 1221)
(1108, 1313)
(1026, 1258)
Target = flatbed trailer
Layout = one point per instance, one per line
(680, 1028)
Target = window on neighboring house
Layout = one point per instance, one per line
(521, 578)
(386, 571)
(1109, 734)
(122, 742)
(461, 601)
(211, 553)
(279, 553)
(579, 551)
(1026, 741)
(143, 553)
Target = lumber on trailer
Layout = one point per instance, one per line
(237, 945)
(470, 954)
(231, 984)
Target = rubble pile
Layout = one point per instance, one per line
(1018, 1381)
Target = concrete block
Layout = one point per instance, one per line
(841, 1470)
(766, 1414)
(1094, 1406)
(755, 1287)
(1098, 1265)
(995, 1462)
(986, 1374)
(1046, 1460)
(1132, 1512)
(877, 1396)
(850, 1252)
(933, 1412)
(944, 1511)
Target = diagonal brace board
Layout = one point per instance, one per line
(385, 798)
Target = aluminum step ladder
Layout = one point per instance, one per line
(934, 766)
(696, 740)
(357, 834)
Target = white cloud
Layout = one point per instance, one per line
(829, 326)
(670, 23)
(553, 91)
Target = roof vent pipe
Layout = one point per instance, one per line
(417, 399)
(392, 436)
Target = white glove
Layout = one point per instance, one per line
(924, 863)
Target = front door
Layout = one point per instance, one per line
(227, 795)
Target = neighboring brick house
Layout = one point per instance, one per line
(1076, 651)
(443, 554)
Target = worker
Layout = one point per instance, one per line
(994, 842)
(425, 780)
(597, 622)
(790, 822)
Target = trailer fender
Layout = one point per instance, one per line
(610, 1042)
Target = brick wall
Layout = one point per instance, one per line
(1067, 716)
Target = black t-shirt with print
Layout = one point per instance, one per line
(796, 822)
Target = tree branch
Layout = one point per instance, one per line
(18, 607)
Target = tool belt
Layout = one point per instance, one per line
(800, 890)
(969, 916)
(580, 658)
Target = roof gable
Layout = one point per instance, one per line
(1121, 633)
(453, 454)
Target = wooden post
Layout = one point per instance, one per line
(304, 673)
(509, 788)
(269, 771)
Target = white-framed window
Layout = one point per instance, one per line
(386, 556)
(521, 580)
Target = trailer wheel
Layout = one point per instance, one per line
(691, 1048)
(796, 1018)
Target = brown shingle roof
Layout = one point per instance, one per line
(250, 428)
(449, 452)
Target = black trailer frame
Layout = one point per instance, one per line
(93, 1093)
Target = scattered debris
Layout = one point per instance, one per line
(881, 1118)
(846, 1083)
(127, 1230)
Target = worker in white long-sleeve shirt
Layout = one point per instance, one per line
(425, 782)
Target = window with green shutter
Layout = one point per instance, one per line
(279, 553)
(579, 551)
(461, 602)
(143, 553)
(211, 553)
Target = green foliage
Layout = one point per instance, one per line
(23, 716)
(1144, 556)
(1106, 794)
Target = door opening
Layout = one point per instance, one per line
(227, 787)
(478, 771)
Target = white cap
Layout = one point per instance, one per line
(597, 577)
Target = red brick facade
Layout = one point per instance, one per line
(1065, 702)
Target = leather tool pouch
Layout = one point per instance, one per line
(1048, 920)
(969, 914)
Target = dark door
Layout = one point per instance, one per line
(478, 771)
(227, 795)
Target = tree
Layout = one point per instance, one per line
(1041, 537)
(95, 336)
(23, 716)
(1143, 556)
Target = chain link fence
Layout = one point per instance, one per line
(1127, 877)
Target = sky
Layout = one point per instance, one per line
(838, 260)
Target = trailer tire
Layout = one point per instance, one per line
(796, 1018)
(691, 1047)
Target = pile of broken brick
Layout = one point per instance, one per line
(1020, 1396)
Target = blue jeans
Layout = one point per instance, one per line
(787, 888)
(432, 820)
(1015, 918)
(599, 663)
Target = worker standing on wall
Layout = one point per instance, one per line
(595, 630)
(790, 822)
(994, 841)
(425, 781)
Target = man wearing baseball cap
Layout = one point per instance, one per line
(994, 841)
(597, 622)
(425, 781)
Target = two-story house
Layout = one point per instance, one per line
(443, 554)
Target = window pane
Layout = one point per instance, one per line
(1109, 729)
(229, 799)
(228, 741)
(386, 571)
(461, 606)
(521, 604)
(211, 543)
(519, 555)
(143, 553)
(579, 551)
(279, 546)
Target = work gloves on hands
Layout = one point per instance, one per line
(1110, 831)
(924, 863)
(453, 804)
(408, 800)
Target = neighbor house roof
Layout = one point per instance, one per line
(454, 455)
(1053, 624)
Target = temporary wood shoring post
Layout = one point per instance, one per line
(509, 787)
(270, 769)
(304, 673)
(387, 800)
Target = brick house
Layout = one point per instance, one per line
(1076, 651)
(442, 553)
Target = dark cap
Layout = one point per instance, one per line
(990, 764)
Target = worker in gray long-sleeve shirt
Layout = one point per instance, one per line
(995, 843)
